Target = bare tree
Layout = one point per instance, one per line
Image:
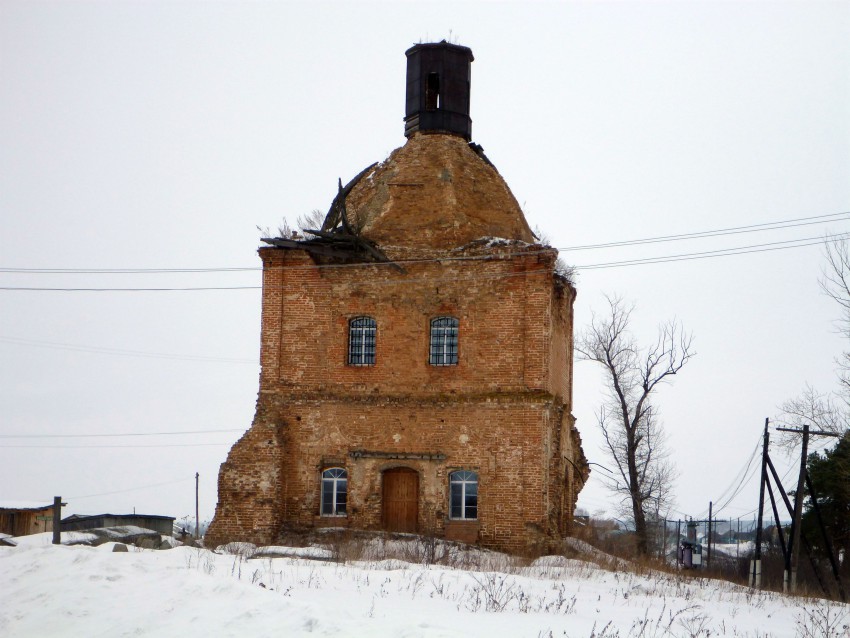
(822, 411)
(836, 283)
(633, 434)
(829, 411)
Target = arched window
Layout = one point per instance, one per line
(361, 341)
(334, 491)
(443, 341)
(463, 486)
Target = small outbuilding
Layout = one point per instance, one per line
(21, 518)
(161, 524)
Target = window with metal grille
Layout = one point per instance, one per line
(443, 341)
(361, 341)
(334, 491)
(463, 486)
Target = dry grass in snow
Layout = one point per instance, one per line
(379, 587)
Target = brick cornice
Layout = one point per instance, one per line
(497, 398)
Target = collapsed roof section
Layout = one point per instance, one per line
(435, 193)
(337, 239)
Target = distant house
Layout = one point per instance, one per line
(20, 518)
(160, 524)
(728, 537)
(750, 535)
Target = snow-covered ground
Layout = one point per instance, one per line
(77, 590)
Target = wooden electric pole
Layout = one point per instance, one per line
(678, 542)
(798, 513)
(792, 556)
(57, 520)
(197, 526)
(755, 568)
(708, 558)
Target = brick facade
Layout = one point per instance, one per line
(503, 411)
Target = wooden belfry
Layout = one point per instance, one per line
(438, 84)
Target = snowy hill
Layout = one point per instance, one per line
(65, 590)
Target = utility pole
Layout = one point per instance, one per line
(737, 538)
(57, 520)
(708, 558)
(197, 526)
(755, 567)
(798, 514)
(678, 542)
(793, 554)
(833, 563)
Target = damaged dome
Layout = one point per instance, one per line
(434, 192)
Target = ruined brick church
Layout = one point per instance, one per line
(416, 353)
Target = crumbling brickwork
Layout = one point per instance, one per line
(502, 412)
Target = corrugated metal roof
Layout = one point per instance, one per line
(25, 505)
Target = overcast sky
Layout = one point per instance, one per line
(159, 135)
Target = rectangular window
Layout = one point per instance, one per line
(443, 341)
(334, 492)
(361, 341)
(463, 495)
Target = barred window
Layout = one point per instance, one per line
(361, 341)
(443, 341)
(463, 487)
(334, 491)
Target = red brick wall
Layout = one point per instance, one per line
(505, 309)
(503, 411)
(250, 488)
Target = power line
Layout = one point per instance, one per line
(88, 447)
(741, 486)
(734, 230)
(528, 249)
(790, 469)
(744, 515)
(113, 434)
(743, 479)
(120, 351)
(132, 489)
(122, 271)
(374, 282)
(723, 252)
(172, 289)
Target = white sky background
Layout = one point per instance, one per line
(159, 135)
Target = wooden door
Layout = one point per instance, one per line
(401, 500)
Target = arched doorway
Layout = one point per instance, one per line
(400, 500)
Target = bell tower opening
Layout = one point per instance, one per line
(432, 92)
